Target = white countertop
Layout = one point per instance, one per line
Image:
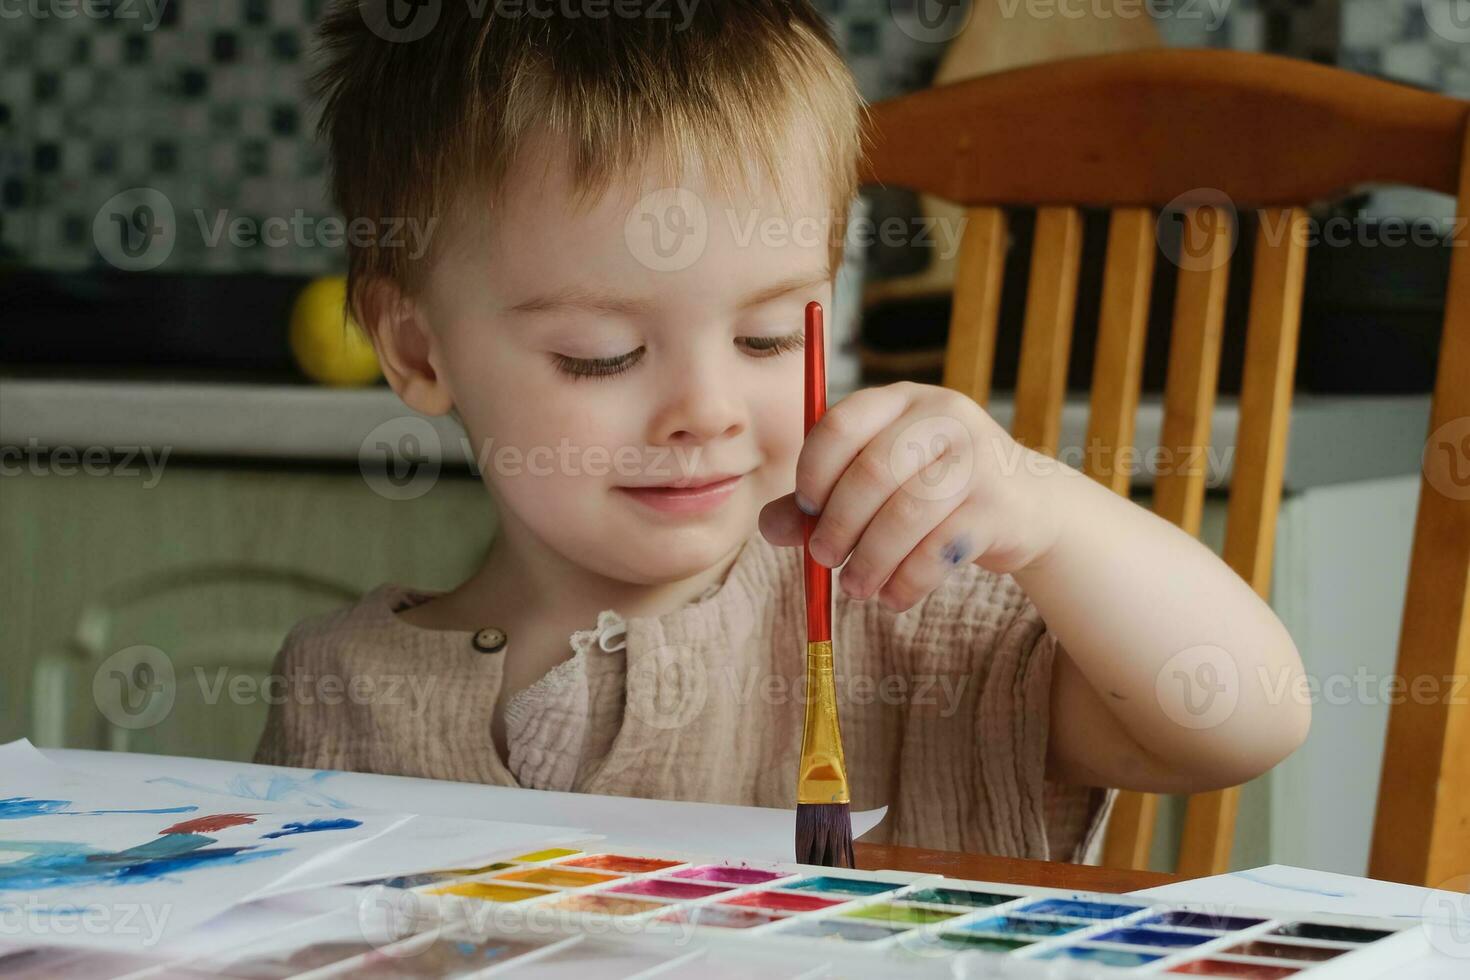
(1334, 439)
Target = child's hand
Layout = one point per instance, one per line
(910, 481)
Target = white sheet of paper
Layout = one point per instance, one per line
(425, 843)
(756, 833)
(1444, 915)
(91, 860)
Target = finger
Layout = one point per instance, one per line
(839, 436)
(781, 523)
(903, 521)
(919, 442)
(958, 540)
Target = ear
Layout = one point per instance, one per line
(400, 335)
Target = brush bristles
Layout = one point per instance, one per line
(824, 834)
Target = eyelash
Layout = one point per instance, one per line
(607, 367)
(596, 367)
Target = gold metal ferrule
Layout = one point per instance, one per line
(822, 777)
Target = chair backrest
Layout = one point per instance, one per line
(1199, 133)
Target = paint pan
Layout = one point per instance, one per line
(601, 903)
(489, 891)
(833, 885)
(620, 863)
(1158, 938)
(856, 932)
(557, 877)
(723, 917)
(961, 941)
(1234, 969)
(680, 891)
(959, 897)
(1187, 919)
(1105, 957)
(549, 854)
(1072, 908)
(1020, 925)
(1285, 951)
(902, 915)
(1331, 933)
(731, 875)
(783, 901)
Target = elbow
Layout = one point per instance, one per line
(1265, 742)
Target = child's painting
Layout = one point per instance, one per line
(86, 861)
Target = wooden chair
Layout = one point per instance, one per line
(1132, 133)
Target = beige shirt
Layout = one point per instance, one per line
(944, 707)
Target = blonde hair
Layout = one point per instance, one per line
(412, 121)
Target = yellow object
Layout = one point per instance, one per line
(823, 774)
(492, 893)
(329, 346)
(546, 855)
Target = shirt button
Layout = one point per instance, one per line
(489, 640)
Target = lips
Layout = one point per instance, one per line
(696, 496)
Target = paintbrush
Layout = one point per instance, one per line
(823, 820)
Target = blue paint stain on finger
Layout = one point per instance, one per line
(956, 551)
(806, 506)
(312, 827)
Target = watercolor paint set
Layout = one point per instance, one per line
(618, 912)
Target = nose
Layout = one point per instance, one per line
(700, 403)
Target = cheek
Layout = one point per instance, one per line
(779, 419)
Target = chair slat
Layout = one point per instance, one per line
(1122, 331)
(1117, 374)
(979, 267)
(1130, 834)
(1046, 338)
(1194, 367)
(1255, 484)
(1420, 832)
(1189, 400)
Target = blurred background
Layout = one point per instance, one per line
(193, 458)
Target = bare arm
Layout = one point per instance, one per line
(1175, 676)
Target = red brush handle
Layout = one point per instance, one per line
(818, 577)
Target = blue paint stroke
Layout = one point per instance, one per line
(312, 827)
(21, 807)
(1304, 889)
(275, 788)
(52, 864)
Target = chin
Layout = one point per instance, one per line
(660, 555)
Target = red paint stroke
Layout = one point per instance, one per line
(205, 825)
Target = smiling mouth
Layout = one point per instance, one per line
(686, 498)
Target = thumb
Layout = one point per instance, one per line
(781, 522)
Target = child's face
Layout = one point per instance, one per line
(698, 348)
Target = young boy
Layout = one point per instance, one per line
(632, 209)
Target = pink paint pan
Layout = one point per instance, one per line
(730, 875)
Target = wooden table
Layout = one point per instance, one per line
(1015, 871)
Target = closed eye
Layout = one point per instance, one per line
(596, 367)
(772, 346)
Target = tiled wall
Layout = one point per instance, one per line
(204, 102)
